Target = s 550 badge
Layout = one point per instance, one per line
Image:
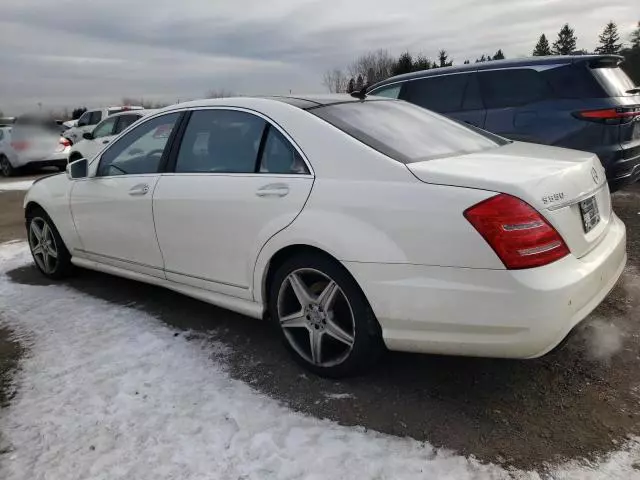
(554, 197)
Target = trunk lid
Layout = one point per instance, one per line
(552, 180)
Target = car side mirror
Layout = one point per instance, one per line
(87, 136)
(78, 169)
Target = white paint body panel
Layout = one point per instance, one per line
(434, 284)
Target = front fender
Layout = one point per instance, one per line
(52, 195)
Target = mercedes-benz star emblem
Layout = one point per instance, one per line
(594, 175)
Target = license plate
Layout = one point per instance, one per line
(590, 213)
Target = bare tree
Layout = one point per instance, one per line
(219, 93)
(373, 66)
(335, 80)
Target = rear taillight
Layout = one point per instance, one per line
(65, 142)
(520, 236)
(20, 145)
(609, 115)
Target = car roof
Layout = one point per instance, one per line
(496, 64)
(302, 101)
(133, 112)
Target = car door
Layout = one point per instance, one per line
(112, 208)
(513, 99)
(455, 95)
(238, 180)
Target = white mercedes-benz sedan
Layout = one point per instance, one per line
(351, 224)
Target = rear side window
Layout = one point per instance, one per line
(614, 80)
(511, 88)
(220, 141)
(403, 131)
(572, 81)
(441, 94)
(279, 156)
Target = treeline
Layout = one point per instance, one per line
(375, 66)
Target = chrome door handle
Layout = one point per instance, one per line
(140, 189)
(273, 190)
(105, 141)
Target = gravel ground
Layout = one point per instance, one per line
(580, 401)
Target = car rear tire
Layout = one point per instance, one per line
(323, 317)
(6, 168)
(49, 252)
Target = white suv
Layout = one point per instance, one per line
(93, 141)
(91, 118)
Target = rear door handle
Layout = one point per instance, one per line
(105, 141)
(273, 190)
(140, 189)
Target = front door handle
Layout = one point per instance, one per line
(105, 141)
(140, 189)
(273, 190)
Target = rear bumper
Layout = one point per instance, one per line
(492, 313)
(622, 163)
(57, 159)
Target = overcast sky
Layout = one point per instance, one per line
(94, 52)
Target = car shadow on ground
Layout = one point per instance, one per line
(577, 402)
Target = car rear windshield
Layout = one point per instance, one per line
(405, 132)
(614, 80)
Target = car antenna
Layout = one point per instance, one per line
(361, 94)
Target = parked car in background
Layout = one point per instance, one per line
(354, 223)
(94, 141)
(35, 142)
(584, 102)
(91, 118)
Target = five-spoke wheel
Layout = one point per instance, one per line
(49, 252)
(324, 317)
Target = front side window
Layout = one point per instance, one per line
(84, 119)
(220, 141)
(404, 132)
(124, 121)
(512, 88)
(140, 150)
(279, 156)
(391, 91)
(95, 117)
(441, 94)
(104, 129)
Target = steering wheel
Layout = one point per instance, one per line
(157, 151)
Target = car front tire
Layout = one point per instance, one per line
(47, 248)
(6, 168)
(323, 317)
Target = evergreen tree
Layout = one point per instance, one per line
(351, 86)
(421, 63)
(566, 42)
(481, 59)
(359, 83)
(403, 65)
(434, 65)
(609, 39)
(466, 62)
(635, 37)
(499, 55)
(443, 58)
(542, 47)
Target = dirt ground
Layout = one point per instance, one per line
(580, 401)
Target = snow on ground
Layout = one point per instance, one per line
(15, 185)
(109, 392)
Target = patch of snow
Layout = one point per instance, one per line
(12, 185)
(108, 392)
(338, 396)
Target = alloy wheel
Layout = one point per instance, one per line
(43, 245)
(316, 317)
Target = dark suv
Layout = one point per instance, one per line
(585, 102)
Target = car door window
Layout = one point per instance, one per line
(510, 88)
(390, 91)
(279, 156)
(95, 117)
(105, 128)
(220, 141)
(84, 119)
(124, 121)
(441, 94)
(472, 97)
(140, 150)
